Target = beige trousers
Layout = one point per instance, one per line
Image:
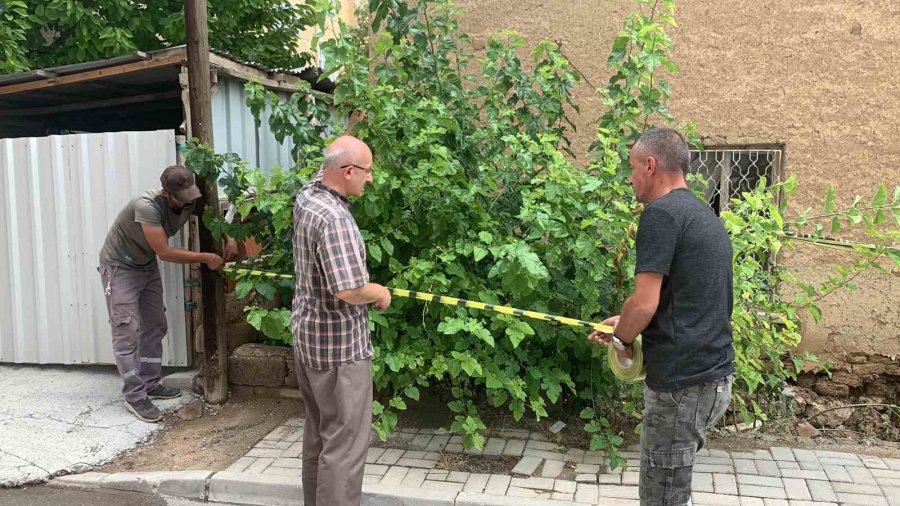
(338, 406)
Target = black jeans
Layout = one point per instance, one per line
(675, 425)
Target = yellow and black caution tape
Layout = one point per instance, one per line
(625, 370)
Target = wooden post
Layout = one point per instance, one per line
(212, 286)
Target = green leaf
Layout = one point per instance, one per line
(255, 316)
(618, 47)
(243, 287)
(378, 318)
(532, 263)
(829, 200)
(412, 392)
(499, 398)
(479, 253)
(473, 440)
(482, 333)
(452, 326)
(387, 246)
(515, 336)
(393, 362)
(517, 331)
(375, 252)
(472, 367)
(266, 289)
(809, 289)
(397, 403)
(880, 198)
(553, 390)
(381, 431)
(815, 312)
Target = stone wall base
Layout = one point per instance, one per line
(862, 379)
(262, 365)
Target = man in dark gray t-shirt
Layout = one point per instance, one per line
(688, 340)
(681, 305)
(131, 281)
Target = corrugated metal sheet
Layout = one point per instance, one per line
(235, 132)
(58, 198)
(36, 75)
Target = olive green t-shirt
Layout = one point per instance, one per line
(125, 245)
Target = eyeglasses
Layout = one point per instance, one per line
(367, 171)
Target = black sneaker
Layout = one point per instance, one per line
(144, 410)
(161, 392)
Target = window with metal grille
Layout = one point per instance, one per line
(731, 170)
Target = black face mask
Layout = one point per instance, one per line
(179, 210)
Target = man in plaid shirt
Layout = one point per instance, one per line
(330, 324)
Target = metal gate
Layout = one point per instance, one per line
(59, 196)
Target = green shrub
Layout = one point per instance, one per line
(476, 197)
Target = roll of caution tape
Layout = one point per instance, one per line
(628, 370)
(633, 371)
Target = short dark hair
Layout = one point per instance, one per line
(667, 146)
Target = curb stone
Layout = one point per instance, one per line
(188, 484)
(86, 480)
(260, 489)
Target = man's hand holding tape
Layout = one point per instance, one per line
(637, 312)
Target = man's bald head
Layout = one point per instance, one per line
(347, 167)
(345, 150)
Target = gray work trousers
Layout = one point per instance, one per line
(134, 300)
(675, 425)
(338, 405)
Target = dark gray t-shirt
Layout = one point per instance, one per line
(125, 245)
(688, 341)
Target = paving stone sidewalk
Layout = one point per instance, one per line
(777, 476)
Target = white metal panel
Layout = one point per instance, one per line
(234, 130)
(60, 196)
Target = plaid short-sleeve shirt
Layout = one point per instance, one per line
(329, 257)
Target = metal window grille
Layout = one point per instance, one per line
(729, 172)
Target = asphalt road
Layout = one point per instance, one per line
(51, 496)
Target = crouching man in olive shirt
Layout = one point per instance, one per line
(133, 287)
(681, 304)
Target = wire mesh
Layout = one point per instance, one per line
(728, 173)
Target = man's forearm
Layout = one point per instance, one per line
(365, 294)
(633, 320)
(183, 256)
